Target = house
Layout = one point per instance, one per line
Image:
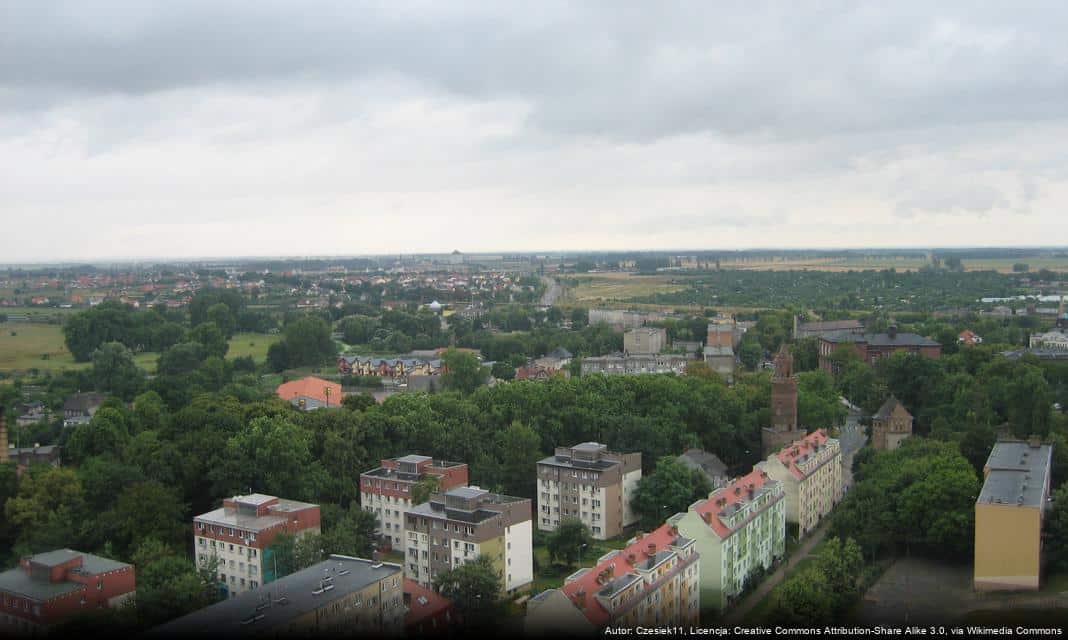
(870, 347)
(1009, 515)
(386, 490)
(239, 534)
(310, 393)
(652, 582)
(810, 470)
(969, 338)
(890, 425)
(464, 523)
(31, 413)
(341, 595)
(82, 405)
(739, 530)
(644, 340)
(539, 373)
(709, 464)
(48, 588)
(1049, 340)
(429, 613)
(814, 329)
(589, 483)
(556, 359)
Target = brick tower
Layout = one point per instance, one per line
(3, 439)
(783, 404)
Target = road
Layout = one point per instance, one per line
(553, 291)
(851, 437)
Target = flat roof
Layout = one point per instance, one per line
(1017, 474)
(234, 518)
(414, 459)
(235, 615)
(17, 581)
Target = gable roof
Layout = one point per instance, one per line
(888, 407)
(733, 495)
(707, 462)
(799, 450)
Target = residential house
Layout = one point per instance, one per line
(79, 407)
(589, 483)
(653, 582)
(811, 472)
(387, 490)
(238, 536)
(49, 588)
(709, 464)
(310, 393)
(467, 522)
(1009, 515)
(969, 338)
(739, 531)
(341, 595)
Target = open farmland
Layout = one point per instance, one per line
(40, 346)
(614, 286)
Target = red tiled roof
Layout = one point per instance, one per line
(418, 610)
(310, 387)
(757, 478)
(594, 612)
(789, 454)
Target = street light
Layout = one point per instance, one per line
(581, 547)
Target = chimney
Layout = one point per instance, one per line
(375, 556)
(651, 549)
(674, 530)
(892, 331)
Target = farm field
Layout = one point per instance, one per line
(598, 287)
(32, 341)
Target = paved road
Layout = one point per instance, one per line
(851, 437)
(739, 612)
(552, 293)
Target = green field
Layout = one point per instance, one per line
(40, 346)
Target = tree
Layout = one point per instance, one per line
(474, 588)
(211, 338)
(272, 455)
(115, 372)
(48, 510)
(168, 585)
(107, 432)
(222, 317)
(518, 448)
(352, 535)
(670, 489)
(145, 510)
(463, 371)
(503, 371)
(357, 329)
(423, 489)
(1057, 529)
(568, 540)
(359, 401)
(805, 600)
(806, 354)
(841, 564)
(308, 342)
(750, 352)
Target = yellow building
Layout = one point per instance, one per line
(1009, 514)
(811, 472)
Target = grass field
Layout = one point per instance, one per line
(620, 286)
(32, 341)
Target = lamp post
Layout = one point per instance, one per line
(581, 547)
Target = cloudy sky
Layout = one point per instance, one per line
(167, 129)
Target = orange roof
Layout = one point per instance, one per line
(791, 453)
(736, 491)
(618, 565)
(310, 387)
(424, 603)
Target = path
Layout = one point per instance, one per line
(738, 613)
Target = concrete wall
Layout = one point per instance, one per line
(1007, 546)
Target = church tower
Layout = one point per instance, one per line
(783, 428)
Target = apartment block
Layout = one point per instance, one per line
(239, 533)
(338, 596)
(653, 582)
(644, 340)
(811, 472)
(48, 588)
(1009, 515)
(591, 484)
(387, 490)
(740, 528)
(464, 523)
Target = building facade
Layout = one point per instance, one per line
(1049, 340)
(238, 535)
(721, 359)
(890, 425)
(340, 596)
(591, 484)
(738, 530)
(387, 490)
(464, 523)
(870, 347)
(631, 365)
(810, 470)
(644, 340)
(814, 329)
(783, 405)
(310, 393)
(653, 582)
(48, 588)
(1009, 515)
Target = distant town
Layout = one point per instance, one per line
(538, 444)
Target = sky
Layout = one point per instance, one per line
(147, 129)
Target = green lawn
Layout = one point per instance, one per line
(551, 576)
(40, 346)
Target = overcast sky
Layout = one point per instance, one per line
(169, 129)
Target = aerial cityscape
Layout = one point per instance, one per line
(571, 319)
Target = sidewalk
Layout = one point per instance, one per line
(736, 614)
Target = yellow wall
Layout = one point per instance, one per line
(1007, 546)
